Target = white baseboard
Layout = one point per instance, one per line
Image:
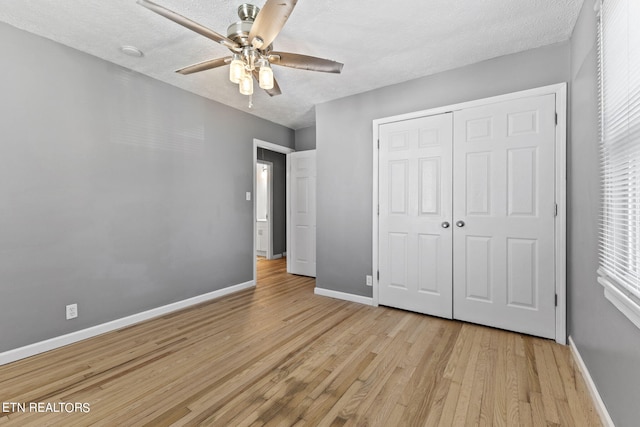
(343, 296)
(595, 396)
(53, 343)
(277, 256)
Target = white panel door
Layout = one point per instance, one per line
(302, 175)
(504, 215)
(415, 214)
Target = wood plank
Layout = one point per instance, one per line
(488, 392)
(480, 379)
(511, 388)
(464, 398)
(500, 399)
(547, 393)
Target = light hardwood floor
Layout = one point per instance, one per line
(280, 355)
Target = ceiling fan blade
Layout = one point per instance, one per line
(270, 21)
(274, 91)
(304, 62)
(188, 23)
(205, 65)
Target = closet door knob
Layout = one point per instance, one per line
(445, 224)
(460, 223)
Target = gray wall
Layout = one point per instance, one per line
(117, 192)
(306, 138)
(279, 184)
(344, 150)
(608, 342)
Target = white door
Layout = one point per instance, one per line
(415, 214)
(302, 253)
(504, 215)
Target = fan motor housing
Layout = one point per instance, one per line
(239, 31)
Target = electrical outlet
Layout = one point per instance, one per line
(369, 280)
(72, 311)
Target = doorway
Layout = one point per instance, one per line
(270, 189)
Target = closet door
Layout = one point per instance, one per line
(415, 214)
(504, 214)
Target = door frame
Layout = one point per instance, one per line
(258, 143)
(269, 166)
(560, 91)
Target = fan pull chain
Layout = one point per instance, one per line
(250, 101)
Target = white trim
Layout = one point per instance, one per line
(561, 220)
(374, 213)
(272, 147)
(57, 342)
(560, 91)
(288, 203)
(343, 296)
(258, 143)
(593, 391)
(622, 302)
(544, 90)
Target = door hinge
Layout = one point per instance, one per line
(378, 143)
(556, 302)
(556, 118)
(378, 275)
(556, 211)
(378, 209)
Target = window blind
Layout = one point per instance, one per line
(619, 79)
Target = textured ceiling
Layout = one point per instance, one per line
(380, 42)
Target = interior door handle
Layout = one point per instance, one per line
(445, 224)
(460, 223)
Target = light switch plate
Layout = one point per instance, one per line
(248, 195)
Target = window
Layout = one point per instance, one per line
(619, 78)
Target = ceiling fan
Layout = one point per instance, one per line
(251, 42)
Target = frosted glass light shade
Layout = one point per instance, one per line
(236, 69)
(246, 84)
(266, 77)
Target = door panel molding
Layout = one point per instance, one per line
(518, 124)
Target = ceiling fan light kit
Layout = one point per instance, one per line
(251, 42)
